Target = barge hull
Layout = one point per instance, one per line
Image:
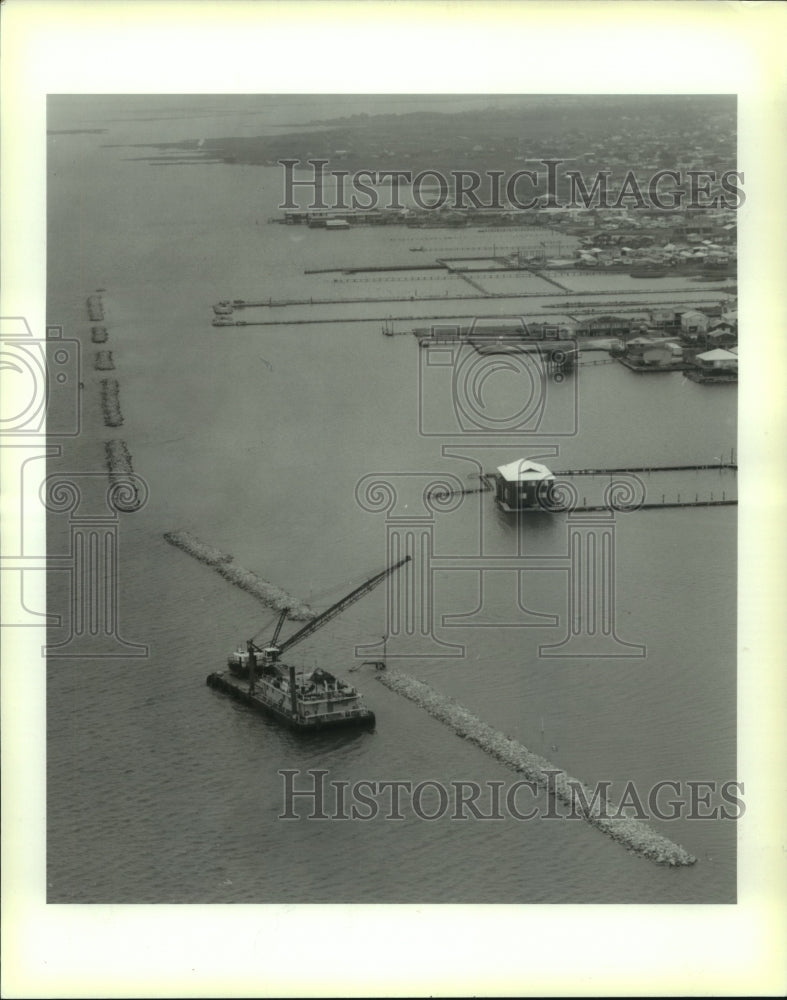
(239, 691)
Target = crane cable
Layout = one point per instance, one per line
(349, 583)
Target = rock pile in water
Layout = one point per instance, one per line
(104, 362)
(110, 402)
(118, 458)
(128, 493)
(95, 308)
(634, 834)
(224, 564)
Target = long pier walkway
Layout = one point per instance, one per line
(271, 303)
(541, 273)
(629, 488)
(473, 284)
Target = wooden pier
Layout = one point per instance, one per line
(622, 489)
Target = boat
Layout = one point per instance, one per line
(305, 701)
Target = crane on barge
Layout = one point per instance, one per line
(273, 650)
(304, 701)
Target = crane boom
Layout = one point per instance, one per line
(335, 609)
(279, 623)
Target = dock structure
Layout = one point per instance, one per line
(527, 486)
(541, 273)
(226, 316)
(521, 484)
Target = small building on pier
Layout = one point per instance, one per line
(520, 484)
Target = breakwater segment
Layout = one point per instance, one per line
(224, 564)
(634, 834)
(104, 362)
(110, 402)
(95, 308)
(129, 490)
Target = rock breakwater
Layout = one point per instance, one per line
(95, 308)
(129, 491)
(110, 402)
(104, 362)
(634, 834)
(224, 564)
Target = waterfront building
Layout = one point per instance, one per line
(604, 326)
(519, 484)
(693, 321)
(717, 360)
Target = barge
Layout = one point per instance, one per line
(306, 701)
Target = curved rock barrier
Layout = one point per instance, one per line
(634, 834)
(98, 334)
(224, 564)
(104, 362)
(95, 307)
(110, 402)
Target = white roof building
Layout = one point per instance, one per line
(718, 358)
(524, 471)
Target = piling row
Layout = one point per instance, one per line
(593, 308)
(95, 308)
(110, 402)
(224, 564)
(445, 494)
(643, 468)
(346, 300)
(545, 277)
(634, 834)
(473, 284)
(104, 362)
